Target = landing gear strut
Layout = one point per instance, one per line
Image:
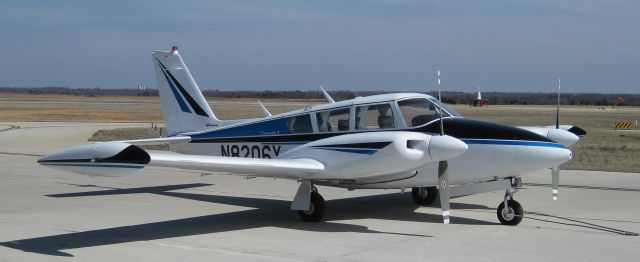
(510, 212)
(424, 196)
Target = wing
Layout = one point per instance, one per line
(349, 156)
(277, 168)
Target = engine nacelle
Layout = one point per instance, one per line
(377, 153)
(98, 159)
(564, 137)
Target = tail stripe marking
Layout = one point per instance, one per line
(183, 106)
(194, 105)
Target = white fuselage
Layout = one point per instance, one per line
(481, 162)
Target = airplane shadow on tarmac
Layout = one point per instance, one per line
(267, 213)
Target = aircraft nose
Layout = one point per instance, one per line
(446, 147)
(563, 137)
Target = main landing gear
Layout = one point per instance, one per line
(509, 212)
(308, 202)
(424, 196)
(316, 208)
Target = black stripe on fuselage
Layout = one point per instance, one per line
(194, 105)
(463, 128)
(460, 128)
(371, 145)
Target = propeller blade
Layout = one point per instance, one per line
(443, 189)
(555, 181)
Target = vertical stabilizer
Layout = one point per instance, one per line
(183, 105)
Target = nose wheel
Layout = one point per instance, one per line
(510, 214)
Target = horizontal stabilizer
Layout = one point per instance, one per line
(158, 141)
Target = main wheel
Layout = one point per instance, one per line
(510, 216)
(424, 196)
(316, 208)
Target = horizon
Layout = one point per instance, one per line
(499, 45)
(330, 91)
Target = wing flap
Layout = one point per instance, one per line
(277, 168)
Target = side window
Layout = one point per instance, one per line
(332, 121)
(300, 124)
(418, 111)
(374, 117)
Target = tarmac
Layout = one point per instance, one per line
(162, 214)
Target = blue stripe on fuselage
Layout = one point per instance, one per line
(278, 126)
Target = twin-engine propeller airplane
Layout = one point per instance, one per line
(390, 141)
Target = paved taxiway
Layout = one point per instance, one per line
(166, 215)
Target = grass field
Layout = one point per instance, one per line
(602, 149)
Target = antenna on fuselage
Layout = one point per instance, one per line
(558, 107)
(438, 83)
(440, 99)
(326, 95)
(264, 109)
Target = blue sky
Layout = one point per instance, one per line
(500, 45)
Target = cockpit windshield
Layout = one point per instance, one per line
(420, 111)
(447, 108)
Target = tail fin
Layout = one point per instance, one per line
(183, 105)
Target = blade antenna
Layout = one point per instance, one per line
(264, 109)
(326, 95)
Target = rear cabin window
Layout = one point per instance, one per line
(374, 117)
(333, 121)
(419, 111)
(300, 124)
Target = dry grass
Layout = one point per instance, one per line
(128, 134)
(602, 149)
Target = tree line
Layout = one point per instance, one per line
(492, 98)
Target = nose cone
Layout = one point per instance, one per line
(527, 158)
(563, 137)
(445, 147)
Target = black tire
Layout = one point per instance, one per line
(510, 219)
(316, 209)
(424, 196)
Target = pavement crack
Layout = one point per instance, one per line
(577, 223)
(20, 154)
(11, 127)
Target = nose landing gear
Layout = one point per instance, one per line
(510, 212)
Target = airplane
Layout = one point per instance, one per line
(479, 101)
(387, 141)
